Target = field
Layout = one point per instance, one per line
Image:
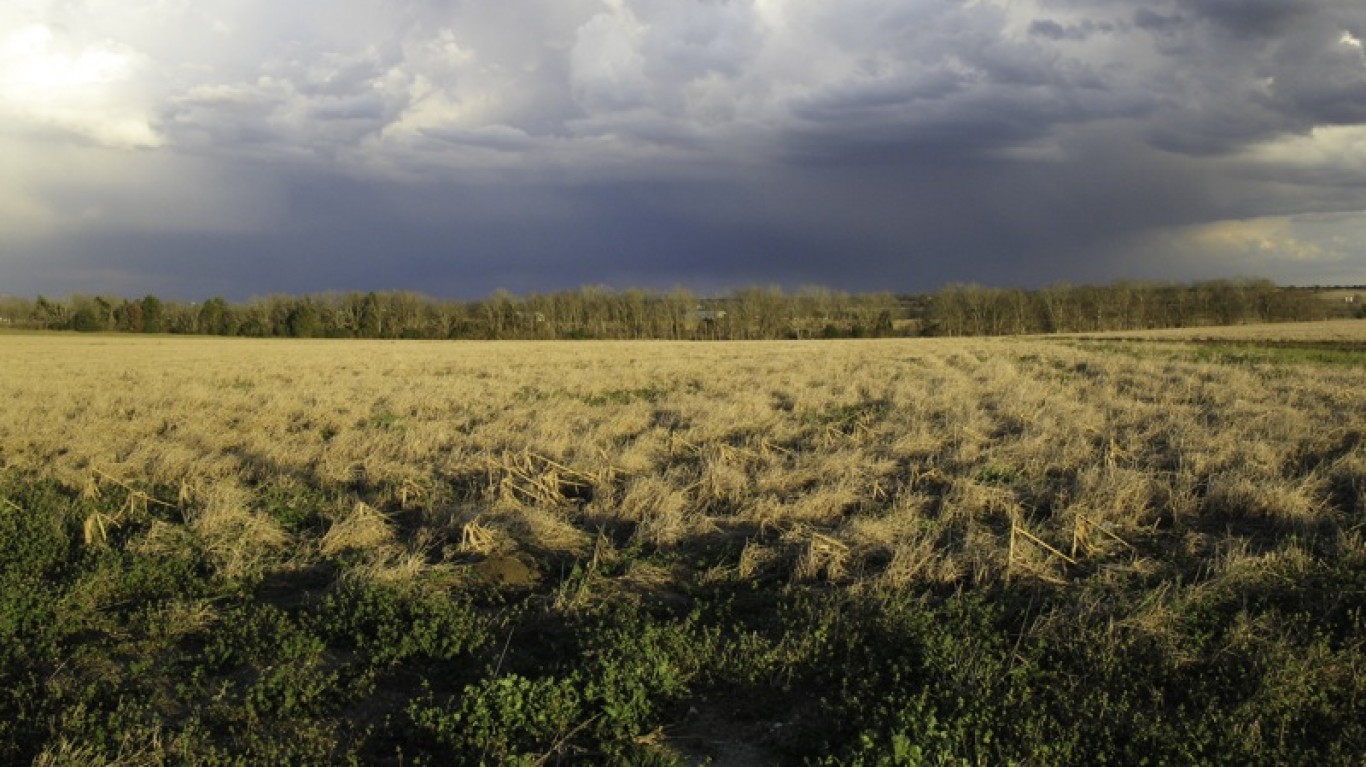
(1070, 550)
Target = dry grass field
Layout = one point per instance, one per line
(593, 472)
(848, 460)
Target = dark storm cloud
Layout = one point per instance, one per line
(1157, 23)
(1246, 72)
(639, 234)
(459, 147)
(962, 90)
(1052, 30)
(1254, 18)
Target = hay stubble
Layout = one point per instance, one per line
(884, 463)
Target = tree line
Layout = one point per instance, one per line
(594, 312)
(973, 310)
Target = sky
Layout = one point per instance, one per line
(192, 148)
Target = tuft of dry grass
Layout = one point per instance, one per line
(135, 750)
(240, 541)
(360, 529)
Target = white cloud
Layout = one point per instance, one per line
(84, 89)
(1329, 159)
(608, 69)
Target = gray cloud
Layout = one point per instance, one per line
(1253, 18)
(1086, 28)
(1248, 72)
(457, 146)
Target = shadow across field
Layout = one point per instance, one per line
(1242, 653)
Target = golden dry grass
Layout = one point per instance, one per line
(884, 462)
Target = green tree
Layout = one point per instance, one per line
(128, 317)
(152, 314)
(371, 321)
(217, 318)
(48, 314)
(303, 320)
(87, 318)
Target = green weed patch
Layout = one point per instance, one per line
(140, 652)
(1349, 355)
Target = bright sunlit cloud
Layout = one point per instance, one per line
(80, 90)
(1263, 239)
